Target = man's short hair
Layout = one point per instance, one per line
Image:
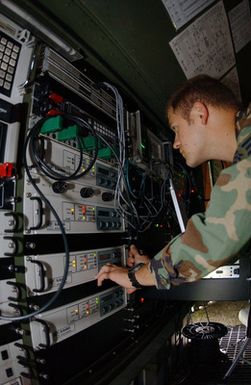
(205, 89)
(150, 242)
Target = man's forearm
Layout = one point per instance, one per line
(120, 276)
(144, 276)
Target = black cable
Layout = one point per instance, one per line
(67, 257)
(45, 168)
(37, 158)
(31, 143)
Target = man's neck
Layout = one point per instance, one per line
(223, 135)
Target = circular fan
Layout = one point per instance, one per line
(204, 342)
(204, 331)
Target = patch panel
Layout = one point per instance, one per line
(58, 111)
(69, 76)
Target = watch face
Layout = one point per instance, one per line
(137, 267)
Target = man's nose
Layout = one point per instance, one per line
(176, 143)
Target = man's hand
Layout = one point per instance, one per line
(120, 276)
(116, 274)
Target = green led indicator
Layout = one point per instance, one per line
(142, 145)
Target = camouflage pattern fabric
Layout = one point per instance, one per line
(213, 238)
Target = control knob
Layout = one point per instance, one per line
(107, 196)
(86, 192)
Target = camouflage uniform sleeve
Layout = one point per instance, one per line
(213, 238)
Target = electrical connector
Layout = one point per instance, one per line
(52, 124)
(105, 153)
(6, 170)
(89, 143)
(69, 133)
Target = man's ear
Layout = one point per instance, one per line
(133, 249)
(199, 112)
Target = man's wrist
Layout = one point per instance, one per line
(132, 277)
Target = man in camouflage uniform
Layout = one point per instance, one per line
(204, 116)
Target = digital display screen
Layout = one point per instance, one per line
(103, 257)
(103, 171)
(107, 298)
(103, 213)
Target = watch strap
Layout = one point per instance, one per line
(132, 277)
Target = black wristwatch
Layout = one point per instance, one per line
(131, 275)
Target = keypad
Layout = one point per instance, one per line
(9, 54)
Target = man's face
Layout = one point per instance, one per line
(135, 257)
(189, 136)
